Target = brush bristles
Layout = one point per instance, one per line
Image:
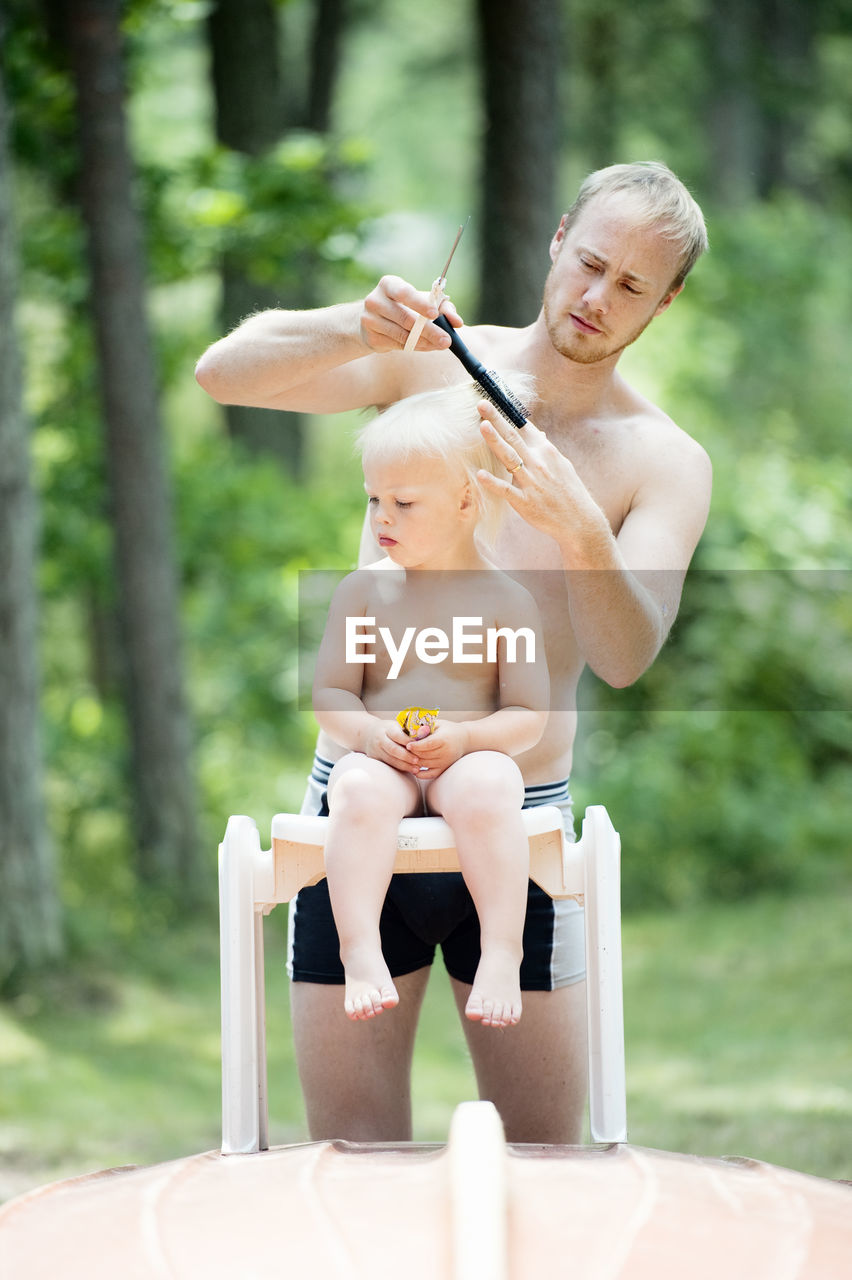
(503, 399)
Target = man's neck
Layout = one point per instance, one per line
(581, 389)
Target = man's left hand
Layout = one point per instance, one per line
(543, 486)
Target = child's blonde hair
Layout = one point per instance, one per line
(443, 424)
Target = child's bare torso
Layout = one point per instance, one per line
(434, 640)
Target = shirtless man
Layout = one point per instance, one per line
(611, 491)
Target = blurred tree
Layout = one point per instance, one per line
(789, 82)
(601, 53)
(165, 832)
(249, 110)
(734, 116)
(30, 932)
(762, 81)
(248, 92)
(254, 109)
(326, 43)
(520, 52)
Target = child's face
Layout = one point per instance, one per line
(421, 513)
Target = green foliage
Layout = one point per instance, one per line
(41, 95)
(273, 215)
(717, 804)
(727, 766)
(246, 531)
(765, 354)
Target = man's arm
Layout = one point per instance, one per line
(624, 590)
(325, 360)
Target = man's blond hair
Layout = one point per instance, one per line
(663, 202)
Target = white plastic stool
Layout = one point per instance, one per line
(253, 881)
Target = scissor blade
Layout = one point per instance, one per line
(442, 277)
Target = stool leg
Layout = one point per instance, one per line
(239, 949)
(607, 1088)
(260, 1033)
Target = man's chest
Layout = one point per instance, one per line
(610, 474)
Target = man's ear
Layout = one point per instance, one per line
(558, 237)
(668, 299)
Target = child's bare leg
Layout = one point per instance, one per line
(480, 796)
(367, 800)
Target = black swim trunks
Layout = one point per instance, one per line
(425, 911)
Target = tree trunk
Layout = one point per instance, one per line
(30, 918)
(140, 503)
(761, 58)
(246, 74)
(519, 43)
(601, 113)
(254, 108)
(791, 84)
(734, 116)
(326, 41)
(249, 101)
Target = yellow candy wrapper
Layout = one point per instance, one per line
(418, 722)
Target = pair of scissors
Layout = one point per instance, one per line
(437, 294)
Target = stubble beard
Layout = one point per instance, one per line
(583, 348)
(579, 347)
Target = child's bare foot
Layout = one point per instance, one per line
(369, 988)
(495, 1000)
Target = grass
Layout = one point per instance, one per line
(738, 1035)
(738, 1043)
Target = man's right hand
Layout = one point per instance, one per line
(320, 361)
(390, 311)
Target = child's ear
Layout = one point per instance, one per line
(469, 503)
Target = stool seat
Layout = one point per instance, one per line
(423, 845)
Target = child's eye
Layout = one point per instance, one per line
(371, 501)
(403, 505)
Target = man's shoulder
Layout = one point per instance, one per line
(496, 343)
(406, 374)
(659, 432)
(670, 467)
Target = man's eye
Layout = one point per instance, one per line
(592, 266)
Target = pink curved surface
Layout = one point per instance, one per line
(338, 1210)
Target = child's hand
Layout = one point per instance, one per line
(387, 741)
(446, 744)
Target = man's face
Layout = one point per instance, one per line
(609, 279)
